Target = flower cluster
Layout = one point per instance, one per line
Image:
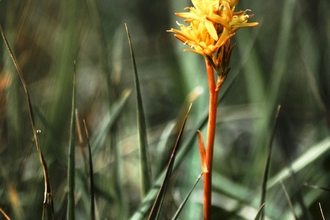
(212, 24)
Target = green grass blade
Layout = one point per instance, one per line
(57, 113)
(176, 215)
(71, 158)
(95, 18)
(146, 179)
(48, 209)
(304, 160)
(109, 120)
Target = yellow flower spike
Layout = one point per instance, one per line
(224, 38)
(212, 23)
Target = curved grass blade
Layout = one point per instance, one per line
(264, 184)
(258, 216)
(166, 139)
(186, 199)
(71, 159)
(48, 208)
(146, 180)
(156, 208)
(91, 178)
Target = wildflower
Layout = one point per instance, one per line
(212, 24)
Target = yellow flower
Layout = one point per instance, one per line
(212, 24)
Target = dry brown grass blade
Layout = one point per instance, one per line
(91, 179)
(156, 208)
(80, 141)
(258, 216)
(4, 214)
(321, 210)
(289, 201)
(48, 198)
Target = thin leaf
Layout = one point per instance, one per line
(156, 208)
(143, 145)
(71, 159)
(48, 208)
(177, 213)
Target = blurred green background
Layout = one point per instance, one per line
(284, 61)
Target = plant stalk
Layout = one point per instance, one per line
(213, 92)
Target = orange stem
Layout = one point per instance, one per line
(213, 90)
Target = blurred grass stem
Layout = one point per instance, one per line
(71, 159)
